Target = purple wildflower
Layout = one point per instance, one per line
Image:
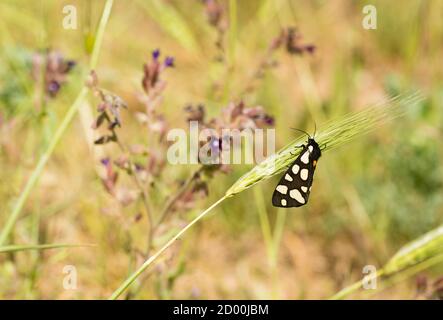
(215, 145)
(105, 161)
(169, 61)
(269, 120)
(53, 88)
(155, 54)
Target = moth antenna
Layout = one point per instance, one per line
(302, 132)
(315, 129)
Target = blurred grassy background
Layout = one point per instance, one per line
(369, 198)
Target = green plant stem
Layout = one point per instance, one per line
(39, 168)
(270, 243)
(279, 228)
(171, 202)
(18, 207)
(352, 288)
(276, 240)
(391, 279)
(395, 278)
(264, 223)
(14, 248)
(154, 257)
(100, 34)
(232, 30)
(143, 192)
(413, 257)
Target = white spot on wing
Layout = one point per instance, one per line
(282, 189)
(283, 202)
(288, 177)
(304, 174)
(305, 157)
(296, 195)
(295, 168)
(311, 148)
(304, 189)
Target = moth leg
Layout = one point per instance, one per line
(324, 147)
(297, 147)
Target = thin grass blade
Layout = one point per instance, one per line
(26, 247)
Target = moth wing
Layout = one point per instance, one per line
(280, 197)
(285, 194)
(306, 189)
(294, 187)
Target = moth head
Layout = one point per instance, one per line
(316, 151)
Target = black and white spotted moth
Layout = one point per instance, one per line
(294, 187)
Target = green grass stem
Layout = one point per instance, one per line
(36, 173)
